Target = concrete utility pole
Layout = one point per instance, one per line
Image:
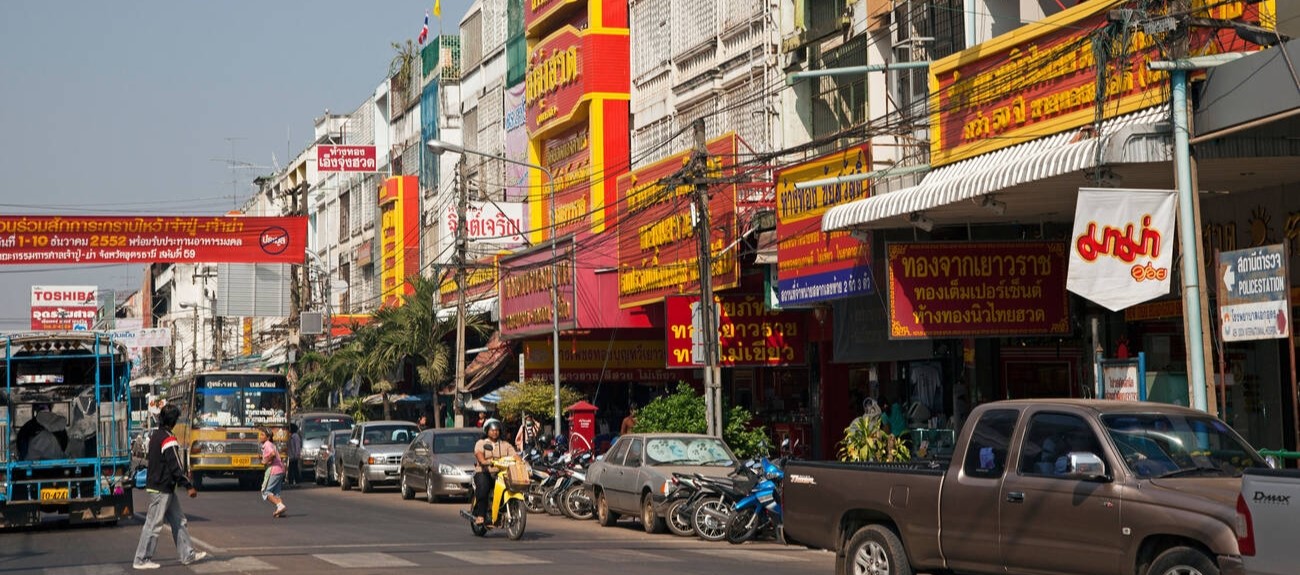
(708, 314)
(218, 327)
(462, 246)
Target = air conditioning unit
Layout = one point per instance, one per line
(311, 323)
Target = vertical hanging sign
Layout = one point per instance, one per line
(1121, 251)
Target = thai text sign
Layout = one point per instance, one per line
(570, 67)
(346, 159)
(1253, 293)
(526, 282)
(567, 155)
(489, 222)
(399, 224)
(64, 307)
(1121, 380)
(1121, 250)
(940, 289)
(148, 239)
(1042, 78)
(658, 249)
(813, 265)
(596, 360)
(480, 282)
(748, 333)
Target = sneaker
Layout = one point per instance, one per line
(146, 565)
(279, 511)
(198, 556)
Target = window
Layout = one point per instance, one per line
(615, 455)
(986, 456)
(1176, 445)
(345, 209)
(387, 435)
(1051, 438)
(634, 454)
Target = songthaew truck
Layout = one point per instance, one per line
(64, 415)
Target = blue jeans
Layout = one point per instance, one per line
(164, 507)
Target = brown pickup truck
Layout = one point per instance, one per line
(1042, 486)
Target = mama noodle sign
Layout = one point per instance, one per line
(1121, 251)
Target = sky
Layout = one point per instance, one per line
(152, 107)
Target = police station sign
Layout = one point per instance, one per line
(1253, 294)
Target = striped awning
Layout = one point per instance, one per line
(1055, 155)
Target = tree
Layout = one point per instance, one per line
(534, 396)
(683, 412)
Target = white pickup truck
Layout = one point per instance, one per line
(1268, 514)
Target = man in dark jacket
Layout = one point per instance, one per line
(166, 471)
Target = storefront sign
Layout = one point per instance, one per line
(499, 223)
(568, 157)
(813, 265)
(399, 207)
(480, 282)
(658, 249)
(1121, 251)
(1163, 309)
(527, 279)
(567, 68)
(1253, 293)
(749, 334)
(941, 289)
(1042, 78)
(595, 360)
(538, 12)
(1121, 380)
(363, 254)
(64, 307)
(26, 240)
(346, 159)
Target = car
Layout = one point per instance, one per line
(326, 471)
(373, 454)
(314, 428)
(439, 464)
(630, 476)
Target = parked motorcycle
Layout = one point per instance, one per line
(761, 509)
(507, 509)
(680, 496)
(574, 500)
(716, 498)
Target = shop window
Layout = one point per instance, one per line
(986, 456)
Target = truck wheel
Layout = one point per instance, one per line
(873, 550)
(363, 482)
(1182, 561)
(345, 482)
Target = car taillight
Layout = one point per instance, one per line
(1245, 528)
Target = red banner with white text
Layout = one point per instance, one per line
(26, 240)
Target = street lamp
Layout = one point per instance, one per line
(439, 147)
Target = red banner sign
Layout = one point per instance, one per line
(526, 282)
(939, 289)
(748, 333)
(346, 159)
(129, 240)
(658, 249)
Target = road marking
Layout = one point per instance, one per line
(364, 560)
(617, 556)
(86, 570)
(493, 557)
(751, 555)
(238, 564)
(213, 549)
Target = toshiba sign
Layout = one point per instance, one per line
(64, 295)
(64, 307)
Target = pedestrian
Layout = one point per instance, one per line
(527, 434)
(482, 418)
(166, 471)
(274, 477)
(295, 455)
(629, 422)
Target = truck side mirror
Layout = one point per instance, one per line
(1086, 466)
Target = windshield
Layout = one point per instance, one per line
(217, 407)
(340, 439)
(688, 451)
(1161, 446)
(319, 427)
(389, 435)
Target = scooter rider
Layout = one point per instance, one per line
(489, 448)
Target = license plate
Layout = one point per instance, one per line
(54, 494)
(241, 460)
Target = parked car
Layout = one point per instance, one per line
(1267, 510)
(1038, 486)
(440, 463)
(373, 454)
(326, 471)
(314, 428)
(630, 476)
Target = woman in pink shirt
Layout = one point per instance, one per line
(274, 478)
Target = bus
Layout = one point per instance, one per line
(219, 415)
(64, 415)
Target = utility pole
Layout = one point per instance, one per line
(218, 327)
(194, 339)
(708, 314)
(462, 246)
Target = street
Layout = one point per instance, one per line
(331, 530)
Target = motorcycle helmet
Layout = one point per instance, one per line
(491, 424)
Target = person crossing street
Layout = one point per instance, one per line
(166, 471)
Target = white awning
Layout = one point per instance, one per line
(1131, 138)
(482, 306)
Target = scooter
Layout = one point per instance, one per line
(507, 509)
(761, 509)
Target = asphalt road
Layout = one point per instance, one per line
(328, 530)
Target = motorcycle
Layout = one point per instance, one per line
(574, 500)
(717, 496)
(507, 509)
(680, 496)
(761, 509)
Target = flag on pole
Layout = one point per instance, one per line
(437, 8)
(424, 32)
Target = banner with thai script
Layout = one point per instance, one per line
(480, 282)
(600, 360)
(658, 247)
(64, 307)
(1254, 294)
(813, 265)
(748, 333)
(144, 337)
(497, 223)
(972, 289)
(26, 240)
(1122, 247)
(346, 159)
(527, 279)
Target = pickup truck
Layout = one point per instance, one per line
(1086, 487)
(373, 454)
(1269, 509)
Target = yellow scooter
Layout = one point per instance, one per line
(507, 509)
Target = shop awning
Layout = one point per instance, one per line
(488, 364)
(766, 248)
(1139, 137)
(482, 306)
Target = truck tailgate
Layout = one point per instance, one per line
(1273, 497)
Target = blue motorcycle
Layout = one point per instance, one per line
(761, 509)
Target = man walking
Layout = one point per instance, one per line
(166, 471)
(295, 455)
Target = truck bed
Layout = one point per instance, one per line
(819, 496)
(1273, 497)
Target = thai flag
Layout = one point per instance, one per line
(424, 32)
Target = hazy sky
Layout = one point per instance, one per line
(138, 107)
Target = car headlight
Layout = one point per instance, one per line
(444, 469)
(207, 447)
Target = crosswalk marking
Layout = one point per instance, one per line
(493, 557)
(623, 556)
(86, 570)
(364, 560)
(237, 564)
(751, 555)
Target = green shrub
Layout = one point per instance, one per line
(683, 412)
(535, 396)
